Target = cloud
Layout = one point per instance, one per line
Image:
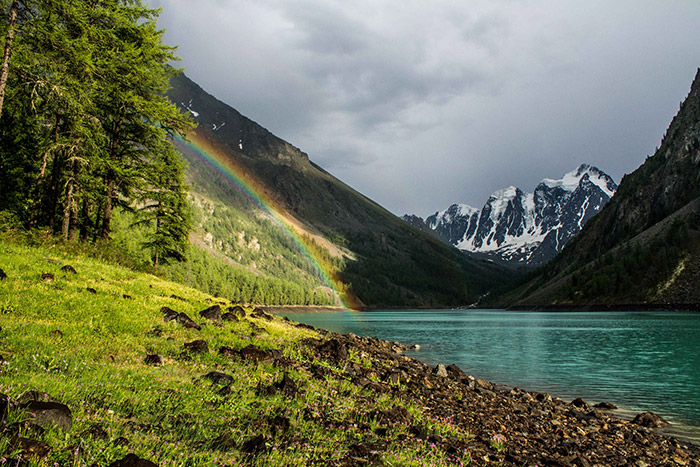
(422, 104)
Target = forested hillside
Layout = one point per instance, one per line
(85, 125)
(86, 152)
(377, 259)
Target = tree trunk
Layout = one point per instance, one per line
(5, 69)
(107, 215)
(85, 218)
(53, 191)
(70, 212)
(40, 179)
(67, 208)
(155, 256)
(96, 225)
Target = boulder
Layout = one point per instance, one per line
(254, 353)
(68, 269)
(650, 420)
(31, 447)
(212, 313)
(132, 460)
(121, 442)
(187, 322)
(168, 313)
(153, 360)
(96, 431)
(229, 317)
(47, 277)
(483, 384)
(91, 290)
(260, 313)
(280, 424)
(198, 346)
(50, 413)
(254, 445)
(287, 386)
(605, 406)
(580, 403)
(394, 415)
(217, 377)
(334, 349)
(456, 372)
(440, 371)
(32, 395)
(237, 310)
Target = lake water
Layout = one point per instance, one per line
(638, 361)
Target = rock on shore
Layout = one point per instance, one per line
(510, 426)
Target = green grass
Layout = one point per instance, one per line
(169, 414)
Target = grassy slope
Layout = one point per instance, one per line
(169, 414)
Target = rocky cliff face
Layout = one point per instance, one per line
(525, 229)
(644, 247)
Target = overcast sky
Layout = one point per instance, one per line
(421, 104)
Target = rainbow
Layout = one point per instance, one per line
(236, 174)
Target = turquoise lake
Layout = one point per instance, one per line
(638, 361)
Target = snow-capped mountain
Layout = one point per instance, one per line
(526, 229)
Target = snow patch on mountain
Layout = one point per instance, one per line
(526, 228)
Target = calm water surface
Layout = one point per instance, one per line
(639, 361)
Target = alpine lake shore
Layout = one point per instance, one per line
(104, 366)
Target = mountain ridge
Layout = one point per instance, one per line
(525, 229)
(388, 262)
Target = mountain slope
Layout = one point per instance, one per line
(644, 246)
(379, 259)
(525, 229)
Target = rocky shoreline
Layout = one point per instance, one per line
(509, 426)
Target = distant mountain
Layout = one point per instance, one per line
(524, 229)
(644, 246)
(375, 257)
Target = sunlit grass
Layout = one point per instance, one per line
(87, 350)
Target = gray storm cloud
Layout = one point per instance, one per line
(422, 104)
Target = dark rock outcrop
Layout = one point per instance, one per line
(217, 377)
(198, 346)
(153, 360)
(50, 413)
(212, 313)
(650, 420)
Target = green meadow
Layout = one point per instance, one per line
(87, 348)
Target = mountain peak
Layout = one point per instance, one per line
(527, 228)
(571, 180)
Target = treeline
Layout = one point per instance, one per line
(208, 274)
(84, 123)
